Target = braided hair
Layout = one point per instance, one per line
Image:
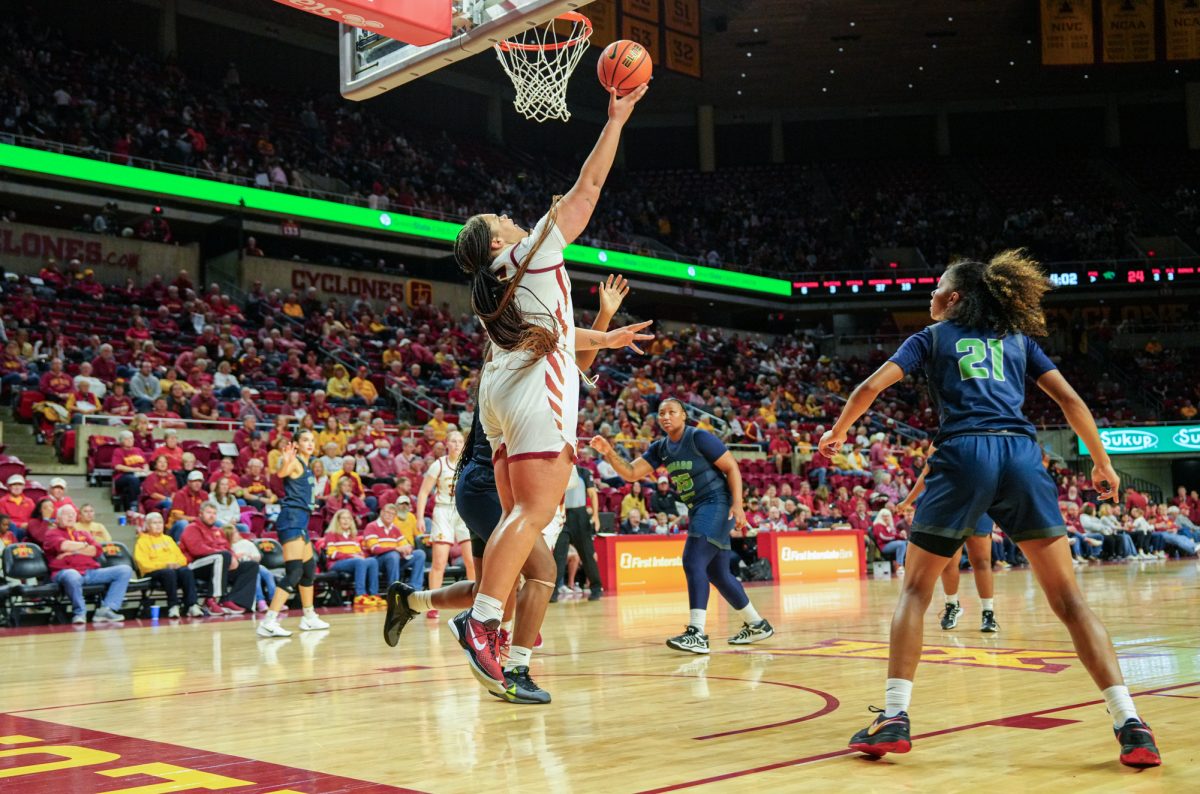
(493, 300)
(1003, 295)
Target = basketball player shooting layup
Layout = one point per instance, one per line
(529, 391)
(976, 357)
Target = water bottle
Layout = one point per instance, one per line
(121, 520)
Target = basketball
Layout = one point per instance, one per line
(624, 65)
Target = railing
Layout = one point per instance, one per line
(1152, 491)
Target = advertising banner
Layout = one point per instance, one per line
(1163, 439)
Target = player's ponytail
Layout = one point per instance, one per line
(492, 299)
(1003, 295)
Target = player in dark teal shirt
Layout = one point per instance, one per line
(707, 479)
(977, 358)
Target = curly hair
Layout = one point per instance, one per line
(1004, 295)
(493, 300)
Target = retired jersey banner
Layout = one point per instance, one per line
(1150, 440)
(683, 54)
(1128, 31)
(603, 14)
(1182, 28)
(1067, 37)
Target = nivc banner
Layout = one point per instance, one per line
(1067, 32)
(1158, 440)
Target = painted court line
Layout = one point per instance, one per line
(847, 751)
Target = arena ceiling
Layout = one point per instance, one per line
(834, 54)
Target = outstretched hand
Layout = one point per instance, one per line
(831, 442)
(1106, 481)
(628, 336)
(612, 294)
(621, 107)
(601, 445)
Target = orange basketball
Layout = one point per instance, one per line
(624, 65)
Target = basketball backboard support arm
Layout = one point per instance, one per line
(371, 64)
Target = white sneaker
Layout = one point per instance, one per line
(576, 589)
(312, 623)
(194, 611)
(173, 612)
(266, 629)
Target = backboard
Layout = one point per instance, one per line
(372, 64)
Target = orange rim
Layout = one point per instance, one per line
(574, 17)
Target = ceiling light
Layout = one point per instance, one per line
(743, 74)
(949, 19)
(997, 81)
(1085, 77)
(920, 68)
(831, 71)
(1029, 41)
(852, 24)
(749, 54)
(824, 90)
(841, 49)
(1012, 63)
(739, 92)
(756, 30)
(910, 85)
(934, 45)
(1176, 71)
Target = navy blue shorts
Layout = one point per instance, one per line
(291, 523)
(1000, 475)
(478, 503)
(711, 521)
(985, 526)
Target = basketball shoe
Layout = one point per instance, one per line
(753, 632)
(884, 735)
(1137, 744)
(398, 612)
(950, 616)
(989, 624)
(480, 641)
(691, 641)
(519, 688)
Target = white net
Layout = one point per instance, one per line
(540, 61)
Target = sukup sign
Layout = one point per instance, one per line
(1157, 440)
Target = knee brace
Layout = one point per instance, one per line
(293, 572)
(541, 582)
(310, 572)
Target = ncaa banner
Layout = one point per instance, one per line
(1128, 31)
(1067, 37)
(1182, 28)
(1156, 440)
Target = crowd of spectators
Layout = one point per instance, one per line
(782, 219)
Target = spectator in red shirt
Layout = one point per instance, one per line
(780, 451)
(226, 470)
(241, 438)
(318, 408)
(41, 522)
(104, 366)
(205, 405)
(15, 504)
(158, 487)
(185, 504)
(170, 450)
(56, 384)
(343, 498)
(118, 403)
(385, 541)
(73, 556)
(255, 486)
(163, 326)
(1134, 499)
(233, 580)
(130, 465)
(257, 448)
(163, 417)
(58, 493)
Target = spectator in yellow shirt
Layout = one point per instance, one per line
(333, 434)
(439, 425)
(363, 388)
(338, 386)
(292, 307)
(157, 556)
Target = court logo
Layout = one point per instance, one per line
(1128, 440)
(1022, 659)
(1188, 437)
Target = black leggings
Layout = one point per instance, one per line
(171, 580)
(704, 563)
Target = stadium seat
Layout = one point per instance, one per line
(116, 553)
(28, 575)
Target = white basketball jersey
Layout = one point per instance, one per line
(444, 471)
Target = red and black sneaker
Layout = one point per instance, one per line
(884, 735)
(1137, 744)
(481, 642)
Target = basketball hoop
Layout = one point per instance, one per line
(539, 61)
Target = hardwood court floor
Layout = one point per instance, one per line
(1014, 709)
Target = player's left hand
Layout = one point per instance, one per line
(831, 443)
(628, 336)
(1106, 481)
(738, 514)
(612, 293)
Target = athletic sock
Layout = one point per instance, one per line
(271, 618)
(952, 599)
(487, 609)
(507, 626)
(309, 612)
(986, 603)
(518, 657)
(1120, 705)
(897, 697)
(749, 614)
(697, 619)
(420, 601)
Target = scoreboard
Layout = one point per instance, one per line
(1086, 275)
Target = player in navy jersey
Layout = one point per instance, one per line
(979, 551)
(706, 476)
(976, 358)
